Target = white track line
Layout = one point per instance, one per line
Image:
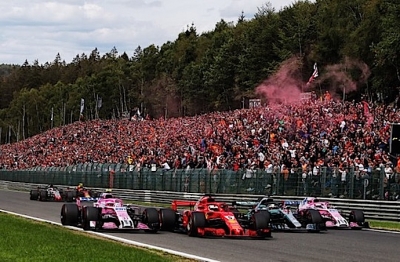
(122, 240)
(382, 231)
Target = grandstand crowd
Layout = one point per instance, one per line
(308, 135)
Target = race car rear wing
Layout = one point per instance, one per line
(80, 201)
(182, 203)
(244, 203)
(291, 203)
(263, 200)
(88, 198)
(287, 203)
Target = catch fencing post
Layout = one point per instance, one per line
(381, 184)
(365, 184)
(111, 179)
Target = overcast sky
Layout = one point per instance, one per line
(39, 29)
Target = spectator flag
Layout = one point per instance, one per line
(314, 74)
(82, 105)
(367, 114)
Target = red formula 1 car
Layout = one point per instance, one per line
(209, 217)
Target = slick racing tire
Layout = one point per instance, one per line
(69, 196)
(89, 214)
(42, 195)
(197, 220)
(314, 217)
(168, 219)
(260, 220)
(69, 215)
(34, 195)
(356, 216)
(152, 219)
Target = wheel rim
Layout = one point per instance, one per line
(189, 226)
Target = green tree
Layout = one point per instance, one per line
(387, 50)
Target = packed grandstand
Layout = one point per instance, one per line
(308, 135)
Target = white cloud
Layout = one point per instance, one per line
(39, 29)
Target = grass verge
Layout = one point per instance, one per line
(376, 224)
(25, 240)
(386, 225)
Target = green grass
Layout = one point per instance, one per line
(25, 240)
(388, 225)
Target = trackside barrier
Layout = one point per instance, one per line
(373, 209)
(325, 183)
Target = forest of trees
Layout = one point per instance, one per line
(211, 71)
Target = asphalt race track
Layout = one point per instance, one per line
(334, 245)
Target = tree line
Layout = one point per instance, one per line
(199, 73)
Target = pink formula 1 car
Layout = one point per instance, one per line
(109, 212)
(332, 217)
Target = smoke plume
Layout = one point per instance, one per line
(347, 76)
(285, 85)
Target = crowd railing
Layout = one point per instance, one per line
(324, 183)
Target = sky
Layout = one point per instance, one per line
(39, 29)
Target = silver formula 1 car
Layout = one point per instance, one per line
(283, 214)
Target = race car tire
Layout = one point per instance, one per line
(69, 196)
(74, 193)
(152, 219)
(196, 220)
(89, 214)
(260, 220)
(168, 219)
(42, 195)
(267, 215)
(69, 214)
(357, 216)
(314, 217)
(34, 195)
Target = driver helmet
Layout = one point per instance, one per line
(108, 196)
(213, 207)
(272, 206)
(319, 204)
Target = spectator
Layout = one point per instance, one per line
(309, 135)
(165, 167)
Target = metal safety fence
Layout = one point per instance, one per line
(324, 183)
